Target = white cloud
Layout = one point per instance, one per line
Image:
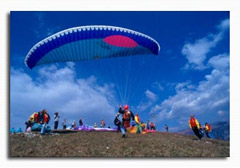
(224, 25)
(59, 90)
(221, 113)
(158, 86)
(143, 106)
(151, 98)
(150, 95)
(184, 86)
(219, 62)
(196, 53)
(206, 98)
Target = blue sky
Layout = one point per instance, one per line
(190, 75)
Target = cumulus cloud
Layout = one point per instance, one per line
(196, 53)
(151, 98)
(220, 61)
(208, 98)
(150, 95)
(58, 89)
(184, 85)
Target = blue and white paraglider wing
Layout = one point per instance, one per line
(89, 43)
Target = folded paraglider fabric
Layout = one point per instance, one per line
(13, 130)
(38, 127)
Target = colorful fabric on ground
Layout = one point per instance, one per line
(134, 130)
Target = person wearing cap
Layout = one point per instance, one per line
(127, 115)
(194, 125)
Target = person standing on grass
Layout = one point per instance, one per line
(56, 120)
(127, 115)
(64, 124)
(117, 122)
(152, 126)
(148, 125)
(102, 125)
(194, 125)
(207, 129)
(166, 127)
(80, 122)
(74, 124)
(138, 123)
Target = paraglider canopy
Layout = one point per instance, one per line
(89, 43)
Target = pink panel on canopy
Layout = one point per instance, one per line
(120, 41)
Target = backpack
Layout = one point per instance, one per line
(117, 122)
(208, 128)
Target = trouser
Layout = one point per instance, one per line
(123, 130)
(152, 128)
(55, 124)
(139, 127)
(118, 128)
(196, 132)
(43, 129)
(125, 125)
(207, 134)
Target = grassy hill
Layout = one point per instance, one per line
(111, 144)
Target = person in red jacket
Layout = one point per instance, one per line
(152, 126)
(207, 129)
(194, 125)
(127, 115)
